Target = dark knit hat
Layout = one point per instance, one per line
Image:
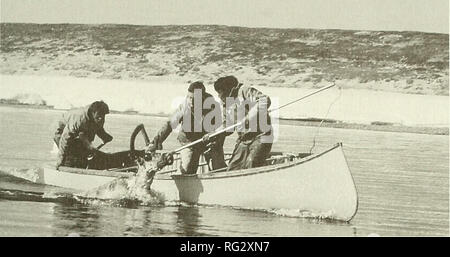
(226, 83)
(196, 85)
(99, 106)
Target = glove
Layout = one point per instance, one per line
(59, 160)
(164, 159)
(108, 138)
(58, 163)
(209, 147)
(215, 144)
(206, 139)
(96, 153)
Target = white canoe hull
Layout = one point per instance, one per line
(83, 182)
(320, 184)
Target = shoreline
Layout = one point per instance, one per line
(313, 122)
(382, 128)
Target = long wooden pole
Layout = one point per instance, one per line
(239, 123)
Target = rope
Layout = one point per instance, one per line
(323, 119)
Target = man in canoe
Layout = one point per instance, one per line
(255, 135)
(197, 116)
(76, 131)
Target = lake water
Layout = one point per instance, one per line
(402, 181)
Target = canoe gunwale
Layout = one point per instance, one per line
(102, 173)
(212, 175)
(248, 172)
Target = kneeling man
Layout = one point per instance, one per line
(76, 131)
(251, 107)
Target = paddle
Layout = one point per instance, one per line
(150, 175)
(98, 148)
(216, 133)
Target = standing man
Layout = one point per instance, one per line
(192, 116)
(255, 137)
(75, 133)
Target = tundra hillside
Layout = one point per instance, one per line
(406, 62)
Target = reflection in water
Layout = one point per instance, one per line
(146, 221)
(134, 221)
(77, 219)
(188, 221)
(402, 181)
(112, 221)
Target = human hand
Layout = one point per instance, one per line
(58, 163)
(164, 159)
(206, 139)
(108, 139)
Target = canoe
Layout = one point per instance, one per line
(319, 184)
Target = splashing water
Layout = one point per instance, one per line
(28, 174)
(20, 184)
(135, 190)
(329, 216)
(129, 192)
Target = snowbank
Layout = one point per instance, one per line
(350, 105)
(33, 99)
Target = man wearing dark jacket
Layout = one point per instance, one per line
(255, 135)
(193, 128)
(76, 131)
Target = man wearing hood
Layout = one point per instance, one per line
(76, 131)
(250, 106)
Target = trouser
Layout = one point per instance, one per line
(190, 158)
(59, 132)
(79, 159)
(249, 154)
(76, 156)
